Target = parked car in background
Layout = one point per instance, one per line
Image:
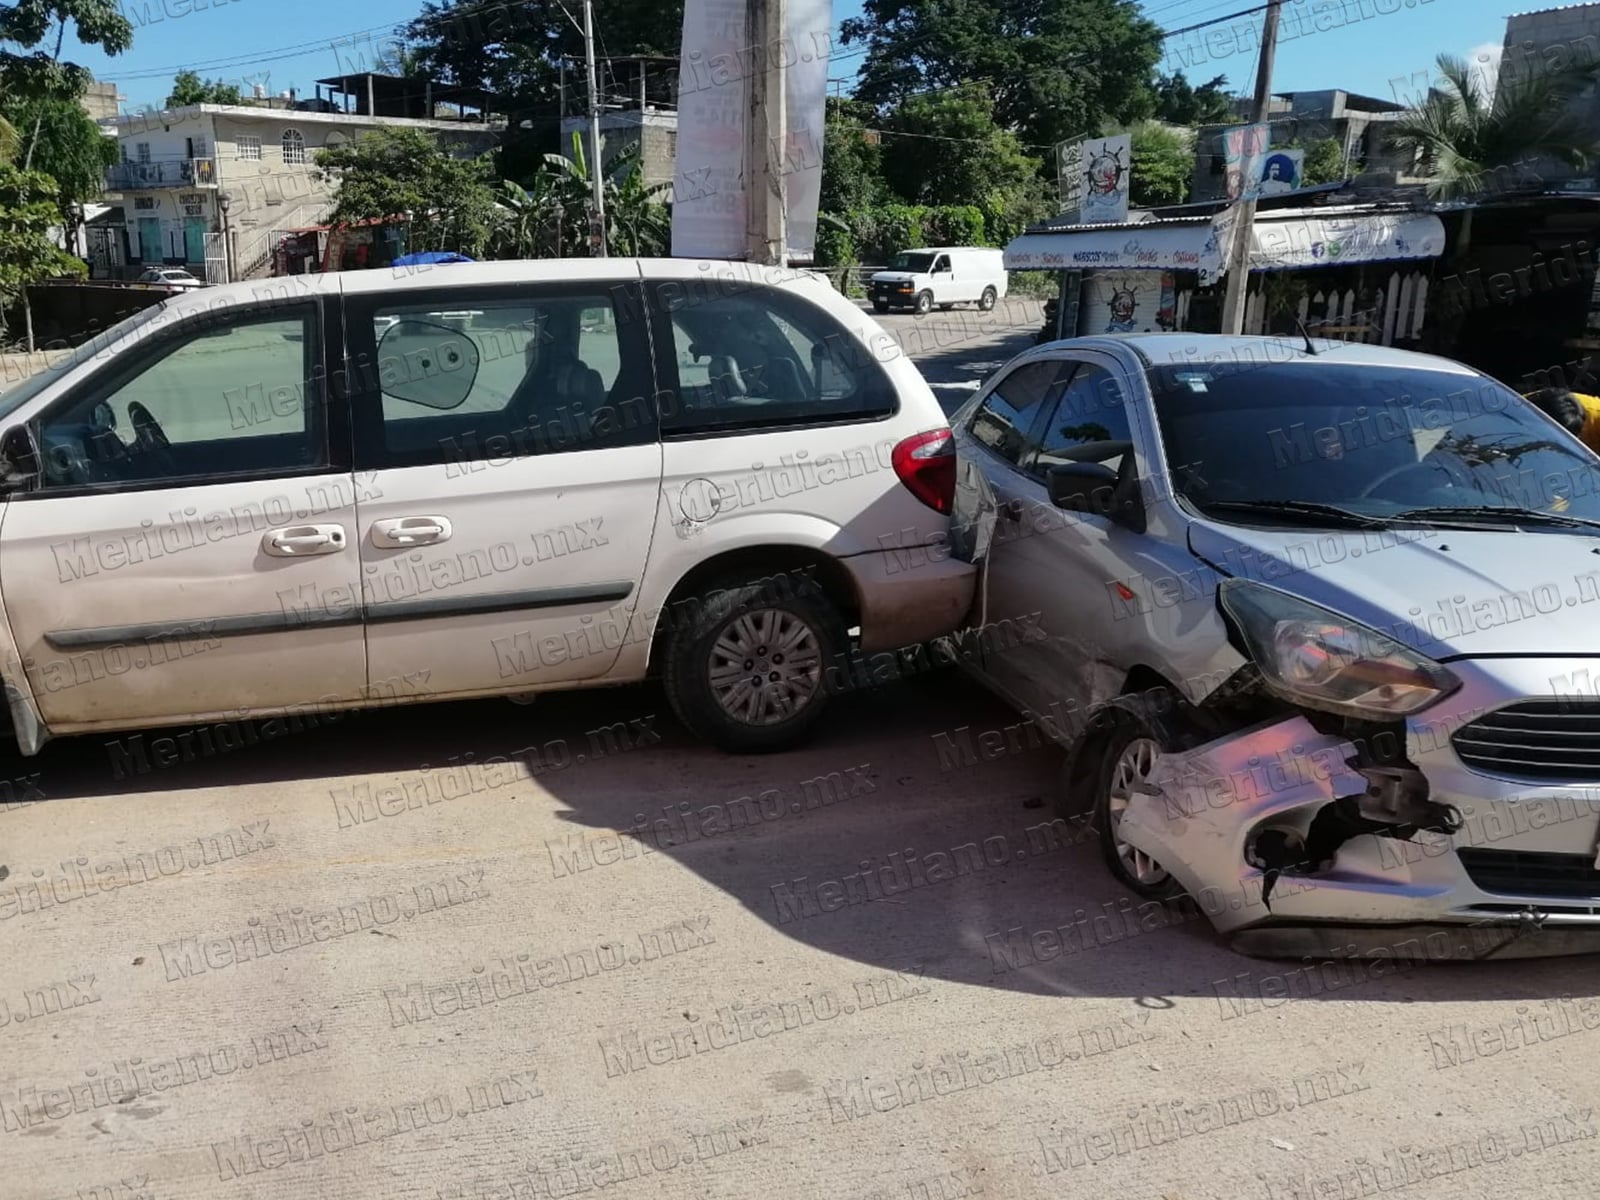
(173, 278)
(569, 474)
(1318, 624)
(942, 275)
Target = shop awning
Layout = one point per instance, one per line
(1289, 239)
(1156, 245)
(1283, 245)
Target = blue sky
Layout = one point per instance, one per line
(1353, 44)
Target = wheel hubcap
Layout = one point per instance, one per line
(1133, 765)
(765, 667)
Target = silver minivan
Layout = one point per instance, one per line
(1314, 629)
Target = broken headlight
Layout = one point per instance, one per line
(1318, 659)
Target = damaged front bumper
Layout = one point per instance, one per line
(1296, 842)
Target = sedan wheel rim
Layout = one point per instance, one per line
(765, 667)
(1134, 764)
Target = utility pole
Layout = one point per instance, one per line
(1238, 277)
(767, 222)
(597, 228)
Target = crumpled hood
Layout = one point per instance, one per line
(1446, 593)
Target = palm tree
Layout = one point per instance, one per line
(637, 223)
(10, 141)
(1469, 140)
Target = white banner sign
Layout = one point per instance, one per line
(1106, 166)
(709, 206)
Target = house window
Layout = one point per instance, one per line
(294, 147)
(246, 146)
(142, 150)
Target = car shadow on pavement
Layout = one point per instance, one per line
(970, 879)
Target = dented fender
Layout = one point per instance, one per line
(1201, 804)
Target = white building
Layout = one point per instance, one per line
(177, 164)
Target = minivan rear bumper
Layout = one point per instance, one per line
(902, 605)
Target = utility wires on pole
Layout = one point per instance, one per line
(1244, 213)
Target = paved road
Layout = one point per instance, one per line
(957, 350)
(385, 959)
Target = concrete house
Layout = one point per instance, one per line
(211, 186)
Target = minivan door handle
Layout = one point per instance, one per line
(410, 531)
(298, 541)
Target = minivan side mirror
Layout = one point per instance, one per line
(1089, 487)
(19, 459)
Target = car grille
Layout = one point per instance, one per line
(1537, 739)
(1527, 873)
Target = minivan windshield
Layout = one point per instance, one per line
(1379, 441)
(104, 342)
(917, 263)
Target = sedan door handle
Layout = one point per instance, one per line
(410, 531)
(298, 541)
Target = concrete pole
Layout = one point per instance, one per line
(767, 222)
(597, 234)
(1238, 277)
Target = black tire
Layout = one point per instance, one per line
(988, 300)
(924, 304)
(686, 673)
(1121, 733)
(880, 306)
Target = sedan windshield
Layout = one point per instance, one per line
(1377, 441)
(916, 263)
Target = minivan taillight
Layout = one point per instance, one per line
(926, 464)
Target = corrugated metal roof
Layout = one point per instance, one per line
(1533, 12)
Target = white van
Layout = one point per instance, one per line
(942, 275)
(323, 492)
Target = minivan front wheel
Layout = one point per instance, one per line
(746, 672)
(1127, 759)
(924, 304)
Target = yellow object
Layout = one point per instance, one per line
(1591, 420)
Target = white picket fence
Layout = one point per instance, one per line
(1398, 310)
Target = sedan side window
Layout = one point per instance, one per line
(1011, 410)
(239, 398)
(1089, 424)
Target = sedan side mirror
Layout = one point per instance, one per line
(19, 459)
(1092, 488)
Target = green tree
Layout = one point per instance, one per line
(28, 210)
(852, 158)
(946, 148)
(26, 24)
(637, 223)
(1325, 163)
(70, 149)
(389, 172)
(1179, 102)
(514, 50)
(1163, 163)
(1469, 141)
(188, 88)
(1056, 68)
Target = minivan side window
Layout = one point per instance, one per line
(464, 376)
(760, 358)
(240, 397)
(1089, 423)
(1009, 413)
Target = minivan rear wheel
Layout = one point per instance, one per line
(987, 300)
(747, 671)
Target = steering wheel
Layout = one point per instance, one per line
(149, 438)
(1405, 469)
